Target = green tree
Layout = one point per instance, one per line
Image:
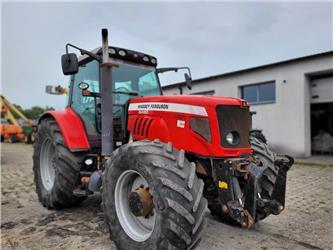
(32, 113)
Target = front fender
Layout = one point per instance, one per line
(72, 128)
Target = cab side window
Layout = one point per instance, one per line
(85, 105)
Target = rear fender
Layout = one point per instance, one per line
(72, 128)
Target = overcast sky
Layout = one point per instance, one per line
(211, 38)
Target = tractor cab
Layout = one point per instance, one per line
(133, 75)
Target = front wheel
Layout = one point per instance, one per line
(152, 198)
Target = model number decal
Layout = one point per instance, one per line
(168, 107)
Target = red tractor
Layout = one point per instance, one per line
(158, 161)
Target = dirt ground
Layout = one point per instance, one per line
(25, 224)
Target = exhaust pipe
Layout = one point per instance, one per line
(106, 97)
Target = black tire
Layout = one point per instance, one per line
(12, 139)
(2, 139)
(177, 195)
(67, 167)
(267, 182)
(259, 135)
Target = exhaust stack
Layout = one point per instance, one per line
(106, 97)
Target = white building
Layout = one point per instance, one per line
(293, 99)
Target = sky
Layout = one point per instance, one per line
(209, 37)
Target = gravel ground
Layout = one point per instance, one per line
(25, 224)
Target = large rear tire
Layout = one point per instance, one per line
(178, 215)
(56, 169)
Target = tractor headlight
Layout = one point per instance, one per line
(232, 138)
(88, 161)
(201, 127)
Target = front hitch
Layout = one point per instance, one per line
(279, 194)
(241, 204)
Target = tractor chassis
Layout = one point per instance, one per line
(231, 176)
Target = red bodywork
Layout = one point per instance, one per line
(174, 126)
(72, 128)
(171, 125)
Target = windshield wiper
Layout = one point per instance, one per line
(135, 93)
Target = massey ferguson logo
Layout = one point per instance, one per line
(153, 106)
(143, 108)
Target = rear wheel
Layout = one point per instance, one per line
(55, 168)
(152, 198)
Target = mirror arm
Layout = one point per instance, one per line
(84, 52)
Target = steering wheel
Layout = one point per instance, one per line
(121, 98)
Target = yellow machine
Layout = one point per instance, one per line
(10, 129)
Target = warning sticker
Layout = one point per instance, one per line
(180, 124)
(223, 185)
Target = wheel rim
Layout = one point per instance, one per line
(47, 164)
(138, 228)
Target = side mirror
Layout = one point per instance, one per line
(70, 64)
(188, 81)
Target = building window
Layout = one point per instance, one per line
(208, 92)
(259, 93)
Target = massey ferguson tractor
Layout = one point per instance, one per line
(159, 162)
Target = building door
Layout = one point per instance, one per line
(322, 115)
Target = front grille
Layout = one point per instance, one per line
(234, 118)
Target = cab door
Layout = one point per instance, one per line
(85, 106)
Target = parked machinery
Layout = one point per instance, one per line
(10, 129)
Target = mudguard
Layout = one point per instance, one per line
(72, 128)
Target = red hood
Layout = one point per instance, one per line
(197, 100)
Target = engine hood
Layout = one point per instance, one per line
(196, 100)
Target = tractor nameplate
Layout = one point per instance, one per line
(168, 107)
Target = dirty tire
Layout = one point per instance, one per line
(66, 166)
(259, 135)
(180, 208)
(267, 182)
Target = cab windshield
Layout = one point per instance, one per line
(133, 81)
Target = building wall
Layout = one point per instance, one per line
(285, 123)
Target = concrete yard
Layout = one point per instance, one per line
(26, 224)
